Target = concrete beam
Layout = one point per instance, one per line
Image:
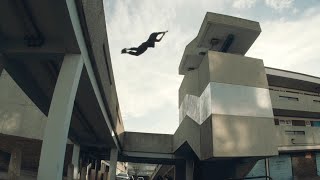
(72, 8)
(57, 127)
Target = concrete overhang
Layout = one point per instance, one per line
(35, 67)
(231, 34)
(292, 80)
(25, 21)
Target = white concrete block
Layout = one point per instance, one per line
(237, 100)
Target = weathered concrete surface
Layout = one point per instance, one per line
(147, 142)
(189, 85)
(95, 33)
(219, 26)
(241, 136)
(188, 131)
(298, 102)
(231, 69)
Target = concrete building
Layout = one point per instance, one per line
(236, 115)
(57, 52)
(60, 116)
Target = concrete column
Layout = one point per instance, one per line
(57, 127)
(189, 169)
(15, 165)
(180, 170)
(70, 172)
(83, 174)
(75, 160)
(113, 164)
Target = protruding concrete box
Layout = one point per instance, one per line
(227, 93)
(230, 34)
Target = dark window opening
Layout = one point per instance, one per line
(316, 101)
(295, 132)
(298, 123)
(289, 98)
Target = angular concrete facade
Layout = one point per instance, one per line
(231, 92)
(236, 115)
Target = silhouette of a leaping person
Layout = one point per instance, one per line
(136, 51)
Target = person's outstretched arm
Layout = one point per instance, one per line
(163, 33)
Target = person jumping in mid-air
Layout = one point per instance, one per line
(136, 51)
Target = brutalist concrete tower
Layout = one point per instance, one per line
(225, 92)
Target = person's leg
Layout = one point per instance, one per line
(125, 50)
(141, 49)
(134, 53)
(133, 49)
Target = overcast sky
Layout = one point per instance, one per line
(148, 85)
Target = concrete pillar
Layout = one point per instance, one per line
(15, 164)
(180, 170)
(92, 174)
(57, 127)
(189, 169)
(75, 160)
(70, 172)
(105, 176)
(83, 174)
(113, 164)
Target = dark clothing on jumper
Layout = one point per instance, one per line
(145, 45)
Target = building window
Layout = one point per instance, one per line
(285, 122)
(295, 132)
(316, 123)
(289, 98)
(316, 101)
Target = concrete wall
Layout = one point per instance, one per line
(231, 69)
(235, 136)
(302, 135)
(294, 101)
(189, 85)
(206, 139)
(98, 47)
(229, 99)
(188, 131)
(18, 115)
(147, 142)
(234, 93)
